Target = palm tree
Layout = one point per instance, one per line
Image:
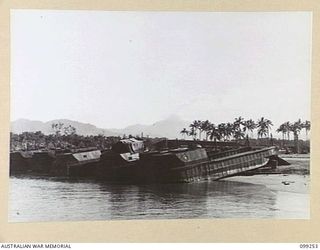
(206, 127)
(288, 128)
(239, 134)
(215, 133)
(184, 132)
(282, 129)
(296, 128)
(196, 125)
(249, 125)
(222, 130)
(269, 124)
(238, 122)
(229, 131)
(307, 126)
(201, 127)
(264, 126)
(238, 128)
(193, 126)
(193, 133)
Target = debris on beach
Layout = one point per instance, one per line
(287, 182)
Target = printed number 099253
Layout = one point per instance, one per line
(309, 246)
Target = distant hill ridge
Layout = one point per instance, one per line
(169, 127)
(25, 125)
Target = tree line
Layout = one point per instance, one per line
(67, 137)
(241, 128)
(63, 137)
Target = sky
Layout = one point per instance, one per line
(114, 69)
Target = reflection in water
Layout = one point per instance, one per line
(39, 199)
(222, 199)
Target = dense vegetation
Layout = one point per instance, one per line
(66, 137)
(62, 138)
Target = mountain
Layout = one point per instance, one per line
(169, 128)
(23, 125)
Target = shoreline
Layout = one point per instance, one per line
(294, 178)
(291, 183)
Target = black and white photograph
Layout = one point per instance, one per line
(148, 115)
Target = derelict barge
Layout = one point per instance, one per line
(185, 165)
(129, 162)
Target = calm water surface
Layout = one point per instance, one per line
(53, 199)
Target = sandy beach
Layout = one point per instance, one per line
(291, 186)
(293, 178)
(286, 183)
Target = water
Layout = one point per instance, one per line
(52, 199)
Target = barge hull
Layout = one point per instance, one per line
(170, 168)
(223, 167)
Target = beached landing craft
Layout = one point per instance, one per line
(31, 161)
(19, 162)
(54, 163)
(183, 164)
(76, 164)
(198, 164)
(127, 162)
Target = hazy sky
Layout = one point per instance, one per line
(114, 69)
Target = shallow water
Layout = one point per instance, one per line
(53, 199)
